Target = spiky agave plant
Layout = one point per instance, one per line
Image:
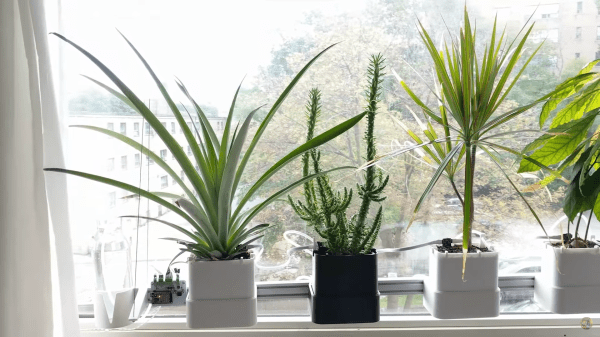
(471, 90)
(325, 209)
(220, 227)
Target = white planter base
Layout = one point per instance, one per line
(111, 313)
(222, 294)
(577, 289)
(446, 296)
(221, 313)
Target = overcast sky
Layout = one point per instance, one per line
(209, 45)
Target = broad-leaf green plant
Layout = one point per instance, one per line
(220, 225)
(471, 89)
(325, 209)
(570, 145)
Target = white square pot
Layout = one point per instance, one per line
(221, 294)
(446, 296)
(577, 289)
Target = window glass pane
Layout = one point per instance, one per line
(271, 41)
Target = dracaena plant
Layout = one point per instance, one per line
(220, 225)
(471, 89)
(571, 146)
(325, 209)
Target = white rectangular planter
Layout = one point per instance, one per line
(577, 289)
(221, 294)
(446, 296)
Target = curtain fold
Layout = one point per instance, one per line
(34, 224)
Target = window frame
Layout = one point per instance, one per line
(136, 129)
(124, 162)
(525, 324)
(110, 164)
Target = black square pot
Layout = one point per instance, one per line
(344, 288)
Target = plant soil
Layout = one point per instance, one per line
(576, 243)
(459, 249)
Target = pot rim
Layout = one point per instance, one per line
(491, 251)
(223, 261)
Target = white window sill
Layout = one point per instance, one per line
(528, 325)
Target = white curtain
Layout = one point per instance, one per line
(37, 293)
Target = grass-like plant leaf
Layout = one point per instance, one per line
(471, 90)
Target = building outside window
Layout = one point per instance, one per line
(112, 199)
(182, 176)
(578, 33)
(189, 150)
(579, 7)
(149, 161)
(597, 54)
(598, 33)
(110, 164)
(136, 129)
(123, 128)
(123, 162)
(163, 154)
(148, 130)
(137, 160)
(110, 126)
(164, 182)
(577, 55)
(164, 124)
(173, 129)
